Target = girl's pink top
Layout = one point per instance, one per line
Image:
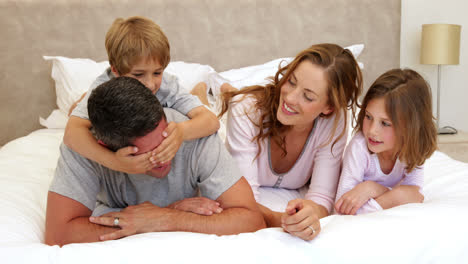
(360, 165)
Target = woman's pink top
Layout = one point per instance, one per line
(360, 165)
(316, 162)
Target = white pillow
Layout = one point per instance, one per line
(258, 74)
(189, 74)
(356, 49)
(57, 119)
(74, 76)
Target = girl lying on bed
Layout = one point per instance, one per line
(395, 134)
(293, 131)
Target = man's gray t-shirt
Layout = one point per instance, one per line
(202, 164)
(169, 95)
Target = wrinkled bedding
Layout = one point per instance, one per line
(433, 232)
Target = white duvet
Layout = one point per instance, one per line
(433, 232)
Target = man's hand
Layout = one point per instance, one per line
(128, 163)
(135, 219)
(302, 218)
(240, 214)
(174, 136)
(197, 205)
(354, 199)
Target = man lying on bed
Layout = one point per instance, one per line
(123, 112)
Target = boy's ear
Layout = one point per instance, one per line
(114, 71)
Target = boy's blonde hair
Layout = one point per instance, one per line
(408, 104)
(130, 40)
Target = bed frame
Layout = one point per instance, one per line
(222, 33)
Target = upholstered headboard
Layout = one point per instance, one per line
(222, 33)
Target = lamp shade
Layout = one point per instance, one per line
(440, 44)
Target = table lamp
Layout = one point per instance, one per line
(440, 45)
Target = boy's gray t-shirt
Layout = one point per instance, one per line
(202, 164)
(169, 95)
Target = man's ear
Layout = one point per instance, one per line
(114, 71)
(102, 143)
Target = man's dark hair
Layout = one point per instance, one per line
(122, 110)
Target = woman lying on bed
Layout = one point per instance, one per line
(293, 131)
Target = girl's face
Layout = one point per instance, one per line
(303, 96)
(378, 128)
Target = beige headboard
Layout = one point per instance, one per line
(225, 34)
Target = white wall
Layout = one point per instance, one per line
(454, 86)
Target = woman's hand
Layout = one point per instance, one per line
(197, 205)
(302, 218)
(174, 136)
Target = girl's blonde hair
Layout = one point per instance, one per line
(133, 39)
(344, 87)
(408, 104)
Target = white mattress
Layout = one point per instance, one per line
(433, 232)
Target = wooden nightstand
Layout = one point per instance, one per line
(456, 146)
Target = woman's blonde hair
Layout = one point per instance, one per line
(344, 87)
(133, 39)
(408, 104)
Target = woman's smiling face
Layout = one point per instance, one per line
(304, 96)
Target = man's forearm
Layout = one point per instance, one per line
(78, 230)
(272, 218)
(230, 221)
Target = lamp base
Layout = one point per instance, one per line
(446, 130)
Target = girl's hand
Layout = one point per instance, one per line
(174, 136)
(197, 205)
(128, 163)
(350, 202)
(301, 219)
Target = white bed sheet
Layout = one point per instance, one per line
(433, 232)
